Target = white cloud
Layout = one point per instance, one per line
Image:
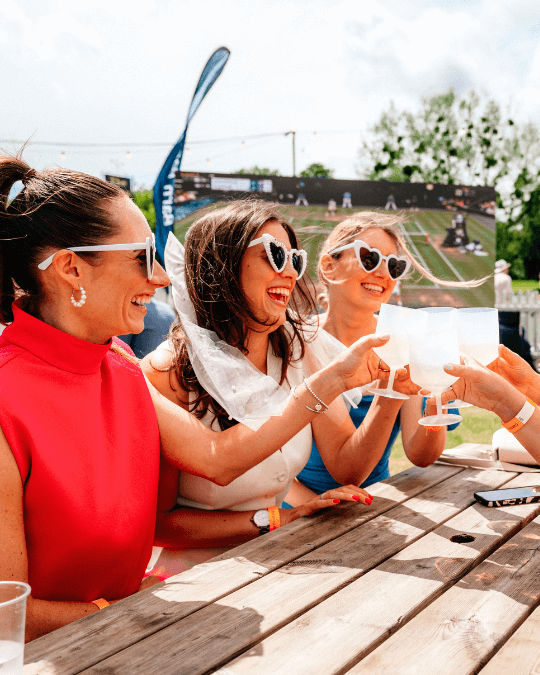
(114, 71)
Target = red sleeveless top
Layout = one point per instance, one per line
(82, 427)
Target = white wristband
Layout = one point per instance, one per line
(522, 417)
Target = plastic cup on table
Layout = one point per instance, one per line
(13, 596)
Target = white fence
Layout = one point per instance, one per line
(528, 305)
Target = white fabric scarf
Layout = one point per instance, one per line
(247, 395)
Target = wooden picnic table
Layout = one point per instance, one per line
(424, 581)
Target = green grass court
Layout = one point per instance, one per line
(478, 426)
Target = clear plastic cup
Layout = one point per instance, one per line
(13, 596)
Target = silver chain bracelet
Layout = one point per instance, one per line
(320, 406)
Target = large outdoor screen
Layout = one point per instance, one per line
(449, 229)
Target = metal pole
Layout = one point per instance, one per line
(293, 150)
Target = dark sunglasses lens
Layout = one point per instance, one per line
(278, 256)
(369, 259)
(396, 268)
(298, 263)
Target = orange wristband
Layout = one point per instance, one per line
(101, 603)
(523, 416)
(273, 513)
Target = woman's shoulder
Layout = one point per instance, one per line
(160, 359)
(158, 366)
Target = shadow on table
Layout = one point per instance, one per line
(132, 641)
(451, 568)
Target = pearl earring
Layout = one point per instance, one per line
(81, 301)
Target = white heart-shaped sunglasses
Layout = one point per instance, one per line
(278, 254)
(371, 258)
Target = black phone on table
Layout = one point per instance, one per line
(509, 496)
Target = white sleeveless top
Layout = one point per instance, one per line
(266, 484)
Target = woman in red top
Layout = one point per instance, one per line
(80, 429)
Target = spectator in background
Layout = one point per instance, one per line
(157, 323)
(332, 208)
(347, 203)
(390, 203)
(503, 283)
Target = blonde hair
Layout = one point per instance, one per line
(362, 221)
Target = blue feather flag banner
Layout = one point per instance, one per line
(164, 186)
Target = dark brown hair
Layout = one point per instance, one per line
(56, 208)
(215, 245)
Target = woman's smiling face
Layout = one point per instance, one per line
(267, 291)
(360, 289)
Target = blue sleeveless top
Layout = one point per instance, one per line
(315, 475)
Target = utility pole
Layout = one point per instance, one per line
(293, 151)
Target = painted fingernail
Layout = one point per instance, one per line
(368, 502)
(356, 498)
(336, 501)
(371, 497)
(448, 366)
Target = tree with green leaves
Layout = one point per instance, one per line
(518, 240)
(259, 171)
(317, 171)
(145, 201)
(462, 140)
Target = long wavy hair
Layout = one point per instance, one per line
(214, 247)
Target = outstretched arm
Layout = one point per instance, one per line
(222, 457)
(422, 445)
(517, 372)
(491, 391)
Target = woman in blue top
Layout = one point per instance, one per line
(353, 295)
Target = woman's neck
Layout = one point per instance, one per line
(348, 326)
(257, 345)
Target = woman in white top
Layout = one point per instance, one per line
(232, 258)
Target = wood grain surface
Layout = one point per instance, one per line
(334, 635)
(461, 630)
(240, 620)
(89, 641)
(521, 654)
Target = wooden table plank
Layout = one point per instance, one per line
(233, 624)
(521, 654)
(338, 632)
(461, 630)
(88, 641)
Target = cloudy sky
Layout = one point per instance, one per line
(123, 72)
